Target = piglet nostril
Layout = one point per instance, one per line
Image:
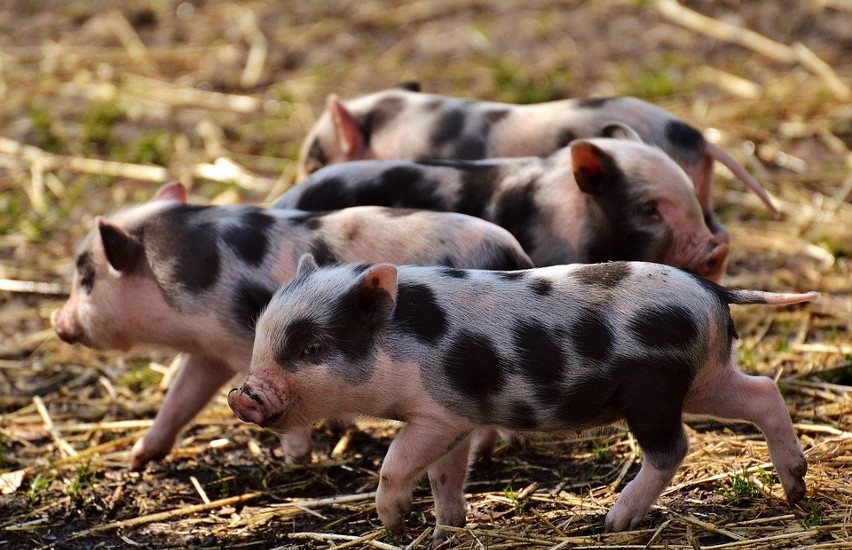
(244, 408)
(233, 390)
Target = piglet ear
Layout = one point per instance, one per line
(172, 191)
(350, 140)
(594, 169)
(410, 85)
(122, 250)
(307, 264)
(375, 293)
(618, 130)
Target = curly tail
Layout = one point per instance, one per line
(772, 298)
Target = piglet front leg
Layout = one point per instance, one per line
(297, 444)
(197, 381)
(446, 478)
(416, 447)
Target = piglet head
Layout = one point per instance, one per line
(337, 137)
(112, 289)
(103, 267)
(646, 207)
(318, 332)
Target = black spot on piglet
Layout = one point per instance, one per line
(687, 142)
(664, 326)
(418, 313)
(607, 275)
(540, 357)
(473, 366)
(86, 269)
(522, 417)
(248, 238)
(250, 298)
(591, 335)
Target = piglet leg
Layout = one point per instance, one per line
(197, 381)
(756, 399)
(654, 418)
(446, 477)
(416, 446)
(297, 444)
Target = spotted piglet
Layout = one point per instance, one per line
(402, 123)
(592, 201)
(194, 279)
(449, 351)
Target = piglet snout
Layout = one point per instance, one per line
(246, 405)
(712, 266)
(63, 328)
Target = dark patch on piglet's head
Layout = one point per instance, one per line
(356, 317)
(85, 267)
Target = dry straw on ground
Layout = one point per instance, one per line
(103, 101)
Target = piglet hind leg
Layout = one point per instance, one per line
(197, 381)
(415, 448)
(659, 431)
(737, 396)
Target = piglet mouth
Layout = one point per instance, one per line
(271, 420)
(712, 266)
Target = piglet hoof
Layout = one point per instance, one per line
(142, 453)
(297, 447)
(796, 491)
(441, 538)
(394, 515)
(620, 519)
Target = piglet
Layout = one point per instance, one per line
(450, 351)
(194, 279)
(594, 200)
(402, 123)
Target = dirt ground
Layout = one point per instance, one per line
(104, 100)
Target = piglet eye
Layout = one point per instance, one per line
(649, 209)
(310, 350)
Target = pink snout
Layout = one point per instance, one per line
(247, 405)
(64, 327)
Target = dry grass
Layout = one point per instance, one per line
(102, 101)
